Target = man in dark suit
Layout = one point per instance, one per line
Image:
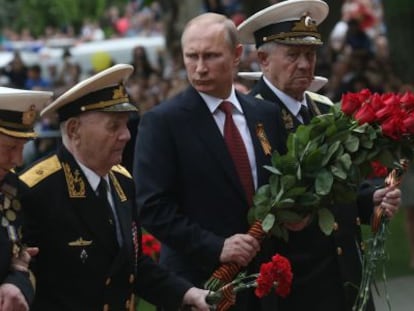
(18, 113)
(326, 269)
(192, 192)
(80, 210)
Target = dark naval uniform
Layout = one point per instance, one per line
(323, 265)
(10, 235)
(317, 104)
(81, 265)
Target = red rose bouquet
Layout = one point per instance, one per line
(393, 114)
(276, 274)
(325, 163)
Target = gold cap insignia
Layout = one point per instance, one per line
(119, 92)
(29, 116)
(305, 24)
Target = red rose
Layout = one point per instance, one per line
(366, 114)
(350, 103)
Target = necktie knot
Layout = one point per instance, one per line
(226, 107)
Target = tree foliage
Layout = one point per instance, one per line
(37, 14)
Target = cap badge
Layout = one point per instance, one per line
(119, 92)
(306, 24)
(29, 116)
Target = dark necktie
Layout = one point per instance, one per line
(304, 113)
(237, 150)
(103, 197)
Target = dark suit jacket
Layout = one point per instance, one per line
(17, 278)
(80, 265)
(188, 192)
(327, 270)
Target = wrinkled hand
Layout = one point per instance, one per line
(12, 299)
(195, 298)
(21, 263)
(388, 199)
(240, 249)
(298, 226)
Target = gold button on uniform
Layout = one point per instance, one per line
(339, 251)
(108, 281)
(358, 221)
(335, 226)
(131, 278)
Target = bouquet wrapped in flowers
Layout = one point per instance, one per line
(275, 274)
(325, 163)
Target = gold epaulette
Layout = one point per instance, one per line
(259, 96)
(40, 171)
(320, 98)
(121, 170)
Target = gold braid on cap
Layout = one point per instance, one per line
(306, 26)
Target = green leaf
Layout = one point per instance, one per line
(338, 172)
(288, 181)
(295, 191)
(345, 161)
(274, 182)
(326, 220)
(272, 169)
(323, 182)
(351, 144)
(288, 216)
(268, 222)
(280, 232)
(313, 160)
(308, 199)
(331, 151)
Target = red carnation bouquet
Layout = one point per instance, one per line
(275, 274)
(150, 246)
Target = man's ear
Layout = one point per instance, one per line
(72, 128)
(238, 54)
(263, 58)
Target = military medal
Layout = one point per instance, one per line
(83, 255)
(261, 134)
(81, 243)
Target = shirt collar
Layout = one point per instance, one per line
(93, 178)
(213, 102)
(292, 104)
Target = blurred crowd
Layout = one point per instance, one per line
(356, 54)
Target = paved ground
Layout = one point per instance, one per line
(400, 292)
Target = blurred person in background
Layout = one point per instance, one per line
(18, 113)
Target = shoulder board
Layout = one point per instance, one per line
(40, 171)
(121, 170)
(320, 98)
(259, 96)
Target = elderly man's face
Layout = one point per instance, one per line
(290, 68)
(11, 153)
(100, 140)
